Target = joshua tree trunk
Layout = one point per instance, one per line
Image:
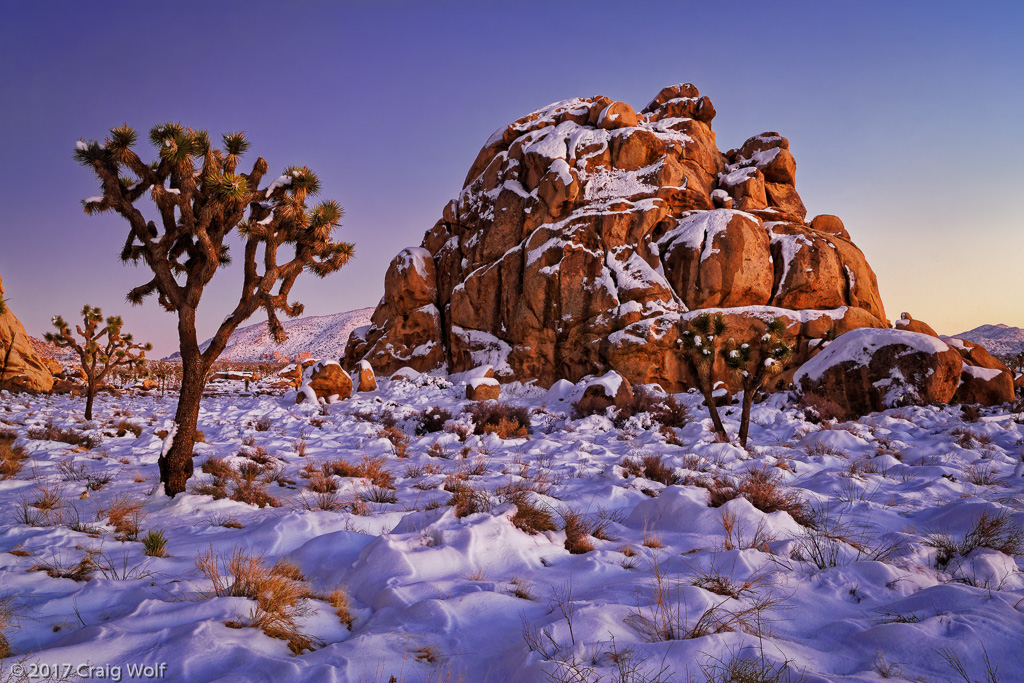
(90, 394)
(748, 402)
(176, 465)
(716, 420)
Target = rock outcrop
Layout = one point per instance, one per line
(587, 232)
(984, 380)
(21, 368)
(867, 370)
(324, 381)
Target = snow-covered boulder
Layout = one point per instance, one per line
(611, 389)
(324, 380)
(867, 370)
(367, 380)
(985, 380)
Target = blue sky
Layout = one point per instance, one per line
(904, 119)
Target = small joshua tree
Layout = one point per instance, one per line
(101, 350)
(702, 343)
(201, 199)
(755, 362)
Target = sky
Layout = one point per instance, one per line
(904, 118)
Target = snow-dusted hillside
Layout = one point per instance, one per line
(998, 339)
(323, 336)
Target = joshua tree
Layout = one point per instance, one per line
(701, 343)
(98, 357)
(201, 199)
(755, 361)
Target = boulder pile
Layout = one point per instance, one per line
(587, 233)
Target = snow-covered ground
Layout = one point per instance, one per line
(881, 570)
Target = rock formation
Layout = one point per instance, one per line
(587, 232)
(324, 381)
(867, 370)
(21, 368)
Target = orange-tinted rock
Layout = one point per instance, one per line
(584, 232)
(483, 389)
(367, 380)
(907, 322)
(325, 380)
(829, 224)
(23, 368)
(985, 379)
(611, 389)
(867, 370)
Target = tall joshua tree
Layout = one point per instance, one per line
(702, 343)
(201, 199)
(755, 362)
(98, 357)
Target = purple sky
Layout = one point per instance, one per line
(904, 117)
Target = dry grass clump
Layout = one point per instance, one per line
(12, 458)
(663, 615)
(123, 427)
(59, 568)
(762, 487)
(125, 515)
(50, 503)
(338, 599)
(651, 467)
(993, 530)
(503, 419)
(398, 440)
(372, 468)
(466, 499)
(278, 591)
(51, 432)
(247, 488)
(663, 409)
(8, 619)
(578, 530)
(529, 517)
(432, 420)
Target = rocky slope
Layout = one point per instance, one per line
(587, 233)
(20, 366)
(321, 336)
(1002, 340)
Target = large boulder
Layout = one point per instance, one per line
(21, 368)
(586, 232)
(867, 370)
(324, 381)
(601, 393)
(985, 380)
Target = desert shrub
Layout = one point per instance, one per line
(993, 530)
(529, 517)
(52, 432)
(762, 488)
(59, 568)
(432, 420)
(398, 440)
(154, 544)
(280, 598)
(12, 458)
(263, 424)
(466, 499)
(651, 467)
(505, 420)
(663, 408)
(125, 515)
(250, 490)
(123, 427)
(378, 494)
(8, 619)
(372, 468)
(578, 530)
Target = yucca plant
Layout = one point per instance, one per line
(754, 362)
(201, 199)
(154, 544)
(702, 342)
(101, 350)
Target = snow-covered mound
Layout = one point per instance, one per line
(322, 336)
(1002, 340)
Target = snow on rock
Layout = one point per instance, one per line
(586, 222)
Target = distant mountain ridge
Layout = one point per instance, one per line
(997, 339)
(322, 336)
